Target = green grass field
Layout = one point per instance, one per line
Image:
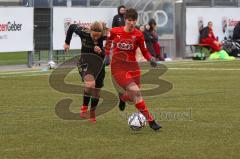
(20, 58)
(13, 58)
(206, 92)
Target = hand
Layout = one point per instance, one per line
(97, 49)
(107, 60)
(66, 47)
(217, 42)
(153, 62)
(147, 27)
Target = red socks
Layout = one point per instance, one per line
(144, 110)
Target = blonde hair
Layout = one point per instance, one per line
(99, 26)
(96, 26)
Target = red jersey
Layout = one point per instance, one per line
(210, 40)
(127, 43)
(211, 34)
(124, 66)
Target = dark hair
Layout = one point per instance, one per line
(131, 14)
(209, 22)
(122, 6)
(152, 22)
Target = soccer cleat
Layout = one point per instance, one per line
(122, 104)
(154, 125)
(83, 112)
(92, 118)
(153, 62)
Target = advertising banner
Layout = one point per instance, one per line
(16, 29)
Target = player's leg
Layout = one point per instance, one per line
(94, 103)
(84, 107)
(134, 91)
(90, 68)
(123, 98)
(82, 67)
(99, 82)
(89, 85)
(123, 79)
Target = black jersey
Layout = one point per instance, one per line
(86, 39)
(88, 64)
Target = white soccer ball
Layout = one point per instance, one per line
(51, 65)
(136, 121)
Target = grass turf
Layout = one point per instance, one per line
(207, 92)
(13, 58)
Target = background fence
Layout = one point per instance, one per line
(170, 15)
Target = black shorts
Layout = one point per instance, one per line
(94, 65)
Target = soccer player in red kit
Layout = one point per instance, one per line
(207, 37)
(124, 67)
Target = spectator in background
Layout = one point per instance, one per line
(119, 20)
(236, 33)
(207, 37)
(151, 39)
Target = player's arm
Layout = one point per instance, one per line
(145, 52)
(108, 44)
(99, 47)
(73, 28)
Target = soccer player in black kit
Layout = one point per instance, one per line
(91, 63)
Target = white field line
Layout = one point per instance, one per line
(205, 69)
(27, 73)
(197, 62)
(41, 73)
(19, 72)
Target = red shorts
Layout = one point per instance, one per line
(124, 78)
(125, 70)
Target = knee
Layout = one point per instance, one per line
(89, 84)
(89, 81)
(136, 96)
